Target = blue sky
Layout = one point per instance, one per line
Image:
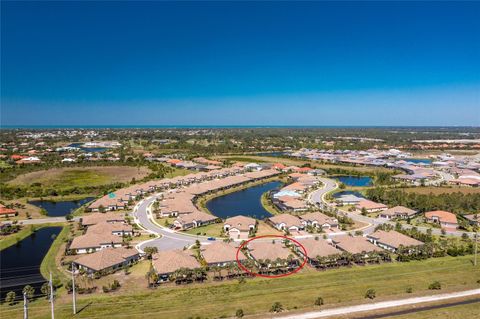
(219, 63)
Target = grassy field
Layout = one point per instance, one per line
(296, 293)
(178, 172)
(81, 176)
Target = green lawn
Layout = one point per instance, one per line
(49, 263)
(297, 292)
(208, 230)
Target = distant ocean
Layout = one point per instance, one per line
(40, 127)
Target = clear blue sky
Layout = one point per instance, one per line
(312, 63)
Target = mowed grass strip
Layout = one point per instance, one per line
(81, 176)
(298, 292)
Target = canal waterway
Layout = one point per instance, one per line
(20, 263)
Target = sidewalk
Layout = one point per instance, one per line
(380, 305)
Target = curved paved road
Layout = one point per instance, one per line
(169, 239)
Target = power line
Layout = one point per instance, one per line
(273, 291)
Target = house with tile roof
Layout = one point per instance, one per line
(354, 245)
(91, 242)
(320, 220)
(108, 259)
(445, 219)
(118, 229)
(286, 222)
(96, 218)
(168, 261)
(7, 212)
(268, 250)
(315, 248)
(398, 212)
(239, 227)
(220, 254)
(370, 206)
(193, 220)
(392, 240)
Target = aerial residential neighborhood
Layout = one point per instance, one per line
(239, 159)
(290, 216)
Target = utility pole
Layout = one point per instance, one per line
(476, 247)
(25, 306)
(74, 299)
(51, 296)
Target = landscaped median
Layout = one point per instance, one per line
(50, 264)
(345, 286)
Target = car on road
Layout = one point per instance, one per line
(211, 238)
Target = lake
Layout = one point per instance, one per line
(419, 160)
(20, 264)
(355, 180)
(245, 202)
(63, 208)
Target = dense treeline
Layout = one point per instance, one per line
(453, 202)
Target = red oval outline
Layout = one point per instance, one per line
(271, 276)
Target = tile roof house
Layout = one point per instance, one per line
(286, 222)
(320, 220)
(107, 259)
(262, 250)
(220, 254)
(168, 261)
(370, 206)
(445, 219)
(288, 203)
(118, 229)
(96, 218)
(7, 212)
(400, 212)
(392, 240)
(239, 227)
(354, 245)
(91, 242)
(193, 220)
(316, 248)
